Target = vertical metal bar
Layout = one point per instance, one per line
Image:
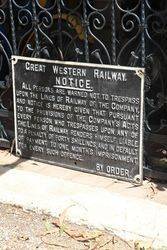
(143, 26)
(86, 25)
(60, 30)
(113, 33)
(13, 28)
(35, 24)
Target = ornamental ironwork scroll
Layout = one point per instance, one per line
(119, 32)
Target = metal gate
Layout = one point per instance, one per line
(119, 32)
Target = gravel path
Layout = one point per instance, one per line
(23, 230)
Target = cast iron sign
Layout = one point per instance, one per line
(86, 117)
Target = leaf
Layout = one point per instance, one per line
(60, 221)
(52, 243)
(48, 226)
(62, 229)
(63, 215)
(81, 236)
(92, 235)
(139, 245)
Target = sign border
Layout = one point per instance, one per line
(139, 71)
